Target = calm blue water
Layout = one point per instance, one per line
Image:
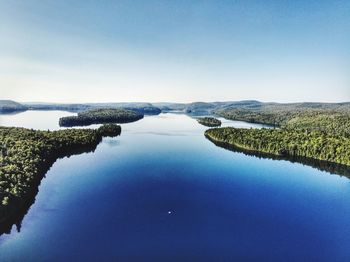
(162, 192)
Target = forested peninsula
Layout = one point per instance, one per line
(101, 116)
(318, 131)
(27, 154)
(284, 142)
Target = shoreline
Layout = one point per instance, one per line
(322, 165)
(13, 211)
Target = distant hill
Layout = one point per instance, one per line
(229, 109)
(206, 108)
(168, 106)
(57, 106)
(143, 108)
(330, 118)
(140, 107)
(8, 106)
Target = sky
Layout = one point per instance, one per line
(174, 50)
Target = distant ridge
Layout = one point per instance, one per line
(8, 106)
(194, 108)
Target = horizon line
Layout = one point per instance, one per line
(176, 102)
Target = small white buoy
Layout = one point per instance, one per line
(169, 212)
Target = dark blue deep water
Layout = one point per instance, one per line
(162, 192)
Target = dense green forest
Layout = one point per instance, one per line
(26, 155)
(328, 118)
(100, 116)
(209, 121)
(286, 142)
(313, 130)
(329, 123)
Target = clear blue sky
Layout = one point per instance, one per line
(99, 51)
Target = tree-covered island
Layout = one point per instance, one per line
(27, 154)
(101, 116)
(209, 121)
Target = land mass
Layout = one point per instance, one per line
(318, 131)
(321, 126)
(142, 108)
(25, 157)
(226, 109)
(100, 116)
(330, 167)
(331, 118)
(209, 121)
(9, 106)
(285, 142)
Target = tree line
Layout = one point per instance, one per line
(286, 142)
(101, 116)
(209, 121)
(334, 120)
(26, 154)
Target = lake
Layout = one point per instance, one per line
(162, 192)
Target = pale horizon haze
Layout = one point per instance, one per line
(174, 51)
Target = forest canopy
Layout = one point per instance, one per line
(101, 116)
(286, 142)
(26, 155)
(209, 121)
(313, 130)
(329, 118)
